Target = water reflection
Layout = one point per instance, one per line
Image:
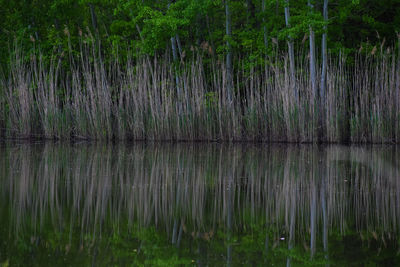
(207, 203)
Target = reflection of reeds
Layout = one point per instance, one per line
(100, 98)
(297, 191)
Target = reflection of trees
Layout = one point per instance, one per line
(301, 193)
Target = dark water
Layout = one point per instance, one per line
(206, 205)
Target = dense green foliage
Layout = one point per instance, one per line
(148, 25)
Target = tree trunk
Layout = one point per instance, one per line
(93, 16)
(229, 67)
(324, 53)
(250, 11)
(324, 67)
(174, 49)
(264, 27)
(291, 51)
(178, 42)
(177, 78)
(313, 78)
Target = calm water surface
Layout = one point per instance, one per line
(206, 205)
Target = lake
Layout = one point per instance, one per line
(198, 204)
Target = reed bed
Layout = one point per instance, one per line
(151, 98)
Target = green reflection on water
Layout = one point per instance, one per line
(198, 205)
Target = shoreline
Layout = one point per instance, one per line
(184, 141)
